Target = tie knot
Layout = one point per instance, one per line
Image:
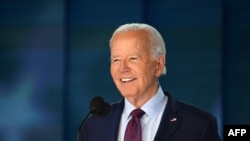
(138, 113)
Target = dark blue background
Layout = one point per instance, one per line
(54, 58)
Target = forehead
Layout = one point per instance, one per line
(131, 43)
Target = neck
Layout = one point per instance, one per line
(139, 100)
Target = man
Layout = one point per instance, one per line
(137, 61)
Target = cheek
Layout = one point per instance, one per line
(150, 71)
(113, 71)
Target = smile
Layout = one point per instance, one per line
(124, 80)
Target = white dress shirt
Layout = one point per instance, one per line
(150, 121)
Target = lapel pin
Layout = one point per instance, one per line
(173, 119)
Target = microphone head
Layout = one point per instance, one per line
(99, 107)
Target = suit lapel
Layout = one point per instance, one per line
(170, 120)
(115, 121)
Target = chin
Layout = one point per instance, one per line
(128, 95)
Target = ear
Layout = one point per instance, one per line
(160, 65)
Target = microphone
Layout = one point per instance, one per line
(98, 108)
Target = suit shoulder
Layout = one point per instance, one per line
(194, 111)
(116, 105)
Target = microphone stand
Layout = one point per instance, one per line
(98, 108)
(90, 114)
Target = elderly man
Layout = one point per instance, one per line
(147, 112)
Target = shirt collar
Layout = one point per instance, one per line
(152, 107)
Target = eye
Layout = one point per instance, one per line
(114, 60)
(133, 58)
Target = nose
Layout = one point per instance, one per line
(124, 67)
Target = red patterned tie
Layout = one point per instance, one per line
(133, 131)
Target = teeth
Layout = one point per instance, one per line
(126, 79)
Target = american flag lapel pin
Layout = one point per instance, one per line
(173, 119)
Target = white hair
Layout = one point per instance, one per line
(155, 39)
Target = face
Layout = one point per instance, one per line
(133, 70)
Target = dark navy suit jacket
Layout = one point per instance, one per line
(180, 122)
